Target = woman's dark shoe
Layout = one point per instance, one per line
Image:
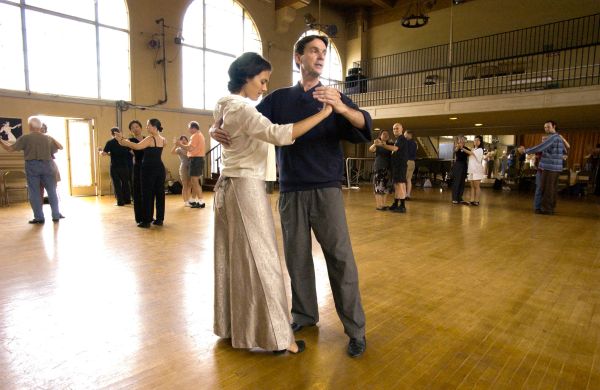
(474, 203)
(144, 225)
(157, 223)
(301, 347)
(37, 221)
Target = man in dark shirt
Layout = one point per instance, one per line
(459, 171)
(310, 177)
(399, 164)
(120, 168)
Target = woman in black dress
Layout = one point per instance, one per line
(382, 182)
(152, 174)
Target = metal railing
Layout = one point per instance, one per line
(557, 55)
(213, 162)
(358, 169)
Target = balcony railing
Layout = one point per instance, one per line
(557, 55)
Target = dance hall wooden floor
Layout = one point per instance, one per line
(455, 297)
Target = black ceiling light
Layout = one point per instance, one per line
(415, 16)
(330, 29)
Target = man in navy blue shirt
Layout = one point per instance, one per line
(310, 176)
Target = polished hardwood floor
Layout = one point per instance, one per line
(455, 297)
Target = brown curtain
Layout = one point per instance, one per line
(582, 143)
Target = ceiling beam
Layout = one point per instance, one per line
(384, 3)
(295, 4)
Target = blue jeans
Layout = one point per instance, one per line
(537, 198)
(41, 172)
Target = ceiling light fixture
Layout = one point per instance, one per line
(453, 118)
(478, 124)
(415, 16)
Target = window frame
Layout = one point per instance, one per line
(24, 7)
(246, 16)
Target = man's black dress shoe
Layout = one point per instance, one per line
(157, 223)
(34, 221)
(58, 219)
(356, 347)
(144, 225)
(301, 347)
(297, 327)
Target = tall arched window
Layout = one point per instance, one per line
(66, 47)
(215, 32)
(332, 71)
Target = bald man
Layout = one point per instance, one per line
(38, 149)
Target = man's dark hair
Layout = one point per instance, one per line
(245, 67)
(135, 121)
(301, 44)
(114, 130)
(194, 125)
(552, 123)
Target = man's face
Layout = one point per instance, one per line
(312, 61)
(548, 128)
(192, 130)
(397, 129)
(136, 129)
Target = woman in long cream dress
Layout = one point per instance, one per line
(250, 299)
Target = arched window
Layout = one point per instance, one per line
(332, 71)
(215, 32)
(66, 47)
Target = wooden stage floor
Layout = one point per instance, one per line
(455, 297)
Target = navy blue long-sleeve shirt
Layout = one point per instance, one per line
(315, 160)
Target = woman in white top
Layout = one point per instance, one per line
(475, 170)
(250, 299)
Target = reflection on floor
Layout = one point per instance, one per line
(455, 296)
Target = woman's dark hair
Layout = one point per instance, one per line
(480, 138)
(384, 131)
(183, 137)
(245, 67)
(553, 123)
(114, 130)
(135, 121)
(301, 44)
(156, 123)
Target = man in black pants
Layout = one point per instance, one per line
(459, 171)
(120, 168)
(399, 164)
(310, 177)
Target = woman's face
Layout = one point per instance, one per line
(385, 136)
(477, 142)
(136, 129)
(256, 86)
(151, 129)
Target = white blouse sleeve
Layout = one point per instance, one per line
(256, 125)
(478, 154)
